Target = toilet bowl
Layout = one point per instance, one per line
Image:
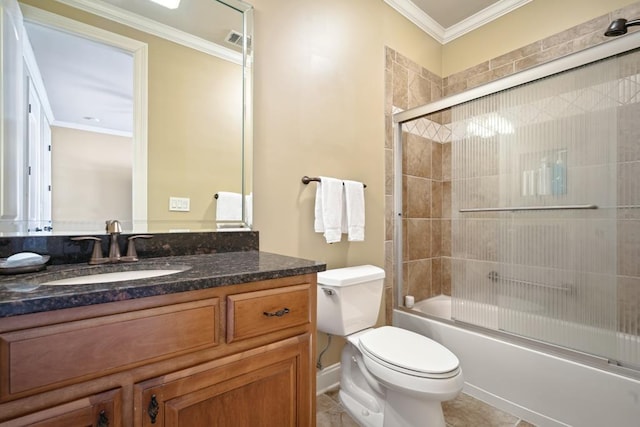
(390, 377)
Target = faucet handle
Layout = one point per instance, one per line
(96, 252)
(131, 247)
(113, 226)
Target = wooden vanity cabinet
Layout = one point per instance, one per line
(238, 355)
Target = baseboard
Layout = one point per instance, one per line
(328, 379)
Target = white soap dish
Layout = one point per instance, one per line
(23, 262)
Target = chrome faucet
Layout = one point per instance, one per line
(113, 228)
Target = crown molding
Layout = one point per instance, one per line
(106, 10)
(416, 15)
(444, 35)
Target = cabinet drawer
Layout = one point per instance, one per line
(80, 350)
(256, 313)
(104, 409)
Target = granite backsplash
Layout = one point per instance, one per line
(63, 250)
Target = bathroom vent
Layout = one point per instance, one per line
(236, 38)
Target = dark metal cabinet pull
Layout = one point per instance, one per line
(103, 421)
(278, 313)
(153, 409)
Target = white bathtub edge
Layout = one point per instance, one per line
(511, 407)
(538, 387)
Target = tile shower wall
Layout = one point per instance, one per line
(427, 188)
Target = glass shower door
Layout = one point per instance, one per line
(534, 178)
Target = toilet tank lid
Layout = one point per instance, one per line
(350, 275)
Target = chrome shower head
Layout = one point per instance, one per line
(619, 27)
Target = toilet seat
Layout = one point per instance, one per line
(408, 353)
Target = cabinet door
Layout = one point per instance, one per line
(262, 387)
(100, 410)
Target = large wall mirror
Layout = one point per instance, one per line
(125, 109)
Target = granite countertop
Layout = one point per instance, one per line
(23, 294)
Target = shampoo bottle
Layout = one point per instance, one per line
(559, 181)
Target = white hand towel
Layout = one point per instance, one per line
(229, 206)
(328, 209)
(354, 207)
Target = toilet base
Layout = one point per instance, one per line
(360, 413)
(407, 411)
(400, 410)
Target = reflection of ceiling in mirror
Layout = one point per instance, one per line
(207, 19)
(88, 84)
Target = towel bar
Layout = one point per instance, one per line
(306, 180)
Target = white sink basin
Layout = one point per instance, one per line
(117, 276)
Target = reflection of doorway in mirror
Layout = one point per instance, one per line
(98, 147)
(38, 163)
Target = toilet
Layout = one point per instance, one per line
(390, 377)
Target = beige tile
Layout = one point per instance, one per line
(465, 411)
(523, 423)
(419, 236)
(436, 276)
(596, 24)
(419, 279)
(446, 276)
(325, 403)
(388, 90)
(407, 63)
(436, 199)
(389, 297)
(389, 218)
(388, 172)
(436, 91)
(446, 238)
(400, 85)
(455, 88)
(417, 154)
(388, 131)
(510, 57)
(436, 161)
(490, 75)
(419, 90)
(436, 238)
(418, 197)
(544, 56)
(446, 161)
(446, 199)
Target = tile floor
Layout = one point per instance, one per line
(464, 411)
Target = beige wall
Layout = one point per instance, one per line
(319, 110)
(319, 99)
(532, 22)
(90, 176)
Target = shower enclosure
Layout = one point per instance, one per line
(545, 196)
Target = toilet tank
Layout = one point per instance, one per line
(349, 299)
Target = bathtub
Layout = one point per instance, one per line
(543, 388)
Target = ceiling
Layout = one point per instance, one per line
(77, 71)
(446, 20)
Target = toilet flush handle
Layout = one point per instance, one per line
(327, 291)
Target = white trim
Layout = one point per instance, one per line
(595, 53)
(481, 18)
(328, 379)
(155, 28)
(89, 128)
(416, 15)
(34, 72)
(444, 35)
(139, 50)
